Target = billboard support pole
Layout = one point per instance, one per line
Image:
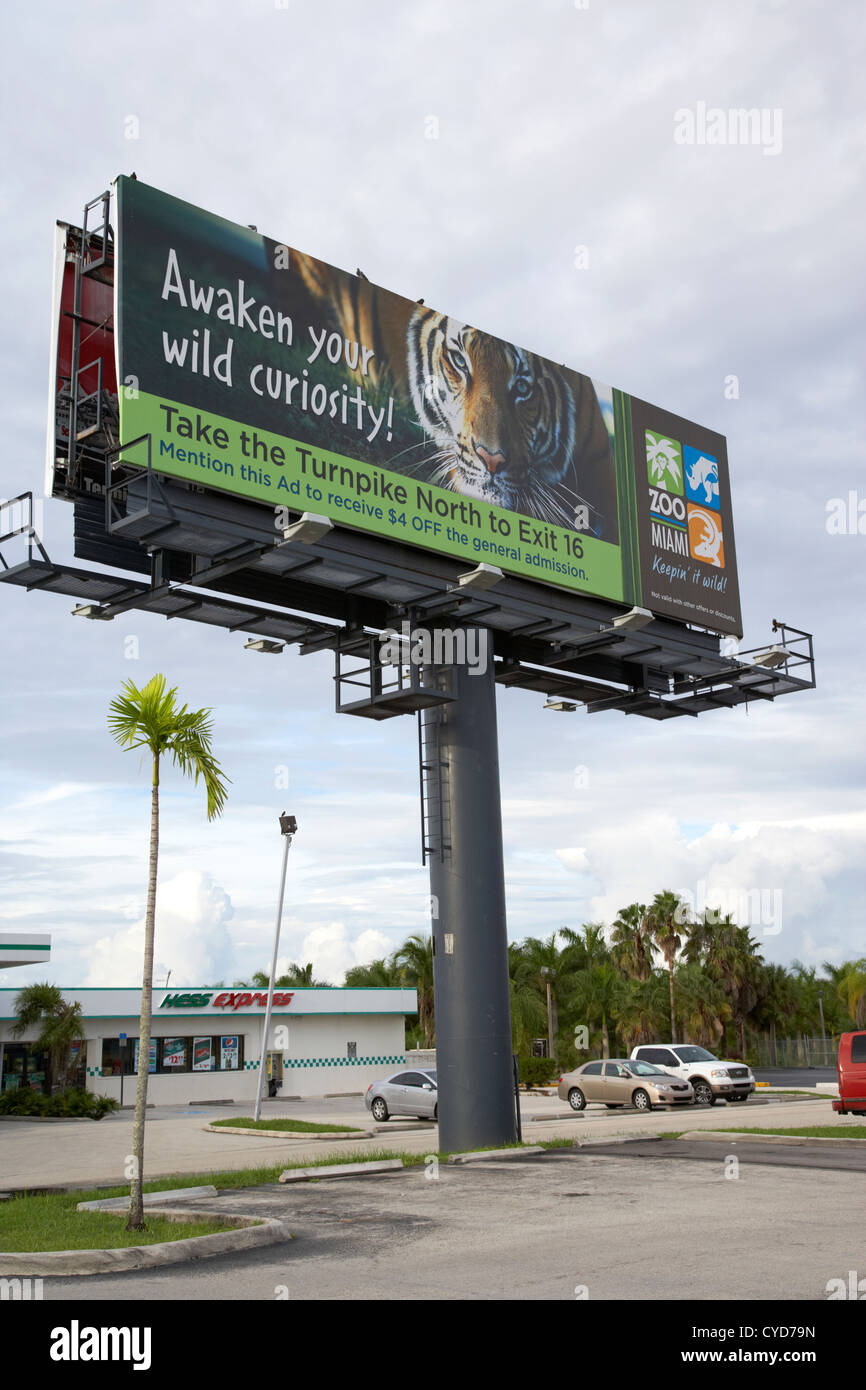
(467, 885)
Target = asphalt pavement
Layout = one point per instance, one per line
(568, 1225)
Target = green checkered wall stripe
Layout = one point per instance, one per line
(94, 1071)
(397, 1060)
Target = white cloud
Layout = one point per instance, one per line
(192, 937)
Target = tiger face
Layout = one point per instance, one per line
(503, 419)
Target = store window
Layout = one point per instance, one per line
(23, 1066)
(171, 1056)
(351, 1049)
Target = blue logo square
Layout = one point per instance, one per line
(701, 477)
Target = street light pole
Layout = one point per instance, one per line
(821, 1011)
(288, 826)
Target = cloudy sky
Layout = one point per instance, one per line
(464, 151)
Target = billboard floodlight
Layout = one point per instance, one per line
(482, 577)
(262, 644)
(310, 528)
(633, 619)
(563, 706)
(93, 611)
(773, 656)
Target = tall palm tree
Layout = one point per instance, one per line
(730, 956)
(666, 926)
(414, 961)
(60, 1027)
(151, 718)
(632, 943)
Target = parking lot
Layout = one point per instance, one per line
(178, 1142)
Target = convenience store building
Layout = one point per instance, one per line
(206, 1043)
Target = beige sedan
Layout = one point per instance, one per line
(621, 1082)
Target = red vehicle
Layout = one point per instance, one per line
(851, 1066)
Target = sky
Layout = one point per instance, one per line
(525, 168)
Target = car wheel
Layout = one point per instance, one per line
(703, 1093)
(435, 1112)
(576, 1099)
(379, 1110)
(641, 1101)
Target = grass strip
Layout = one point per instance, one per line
(290, 1126)
(52, 1223)
(803, 1131)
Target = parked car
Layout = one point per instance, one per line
(851, 1069)
(709, 1075)
(618, 1082)
(404, 1093)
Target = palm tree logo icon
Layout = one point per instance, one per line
(663, 458)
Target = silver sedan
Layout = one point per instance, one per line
(404, 1093)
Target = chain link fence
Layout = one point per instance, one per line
(795, 1052)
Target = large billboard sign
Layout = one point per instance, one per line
(258, 370)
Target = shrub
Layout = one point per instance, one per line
(73, 1104)
(538, 1071)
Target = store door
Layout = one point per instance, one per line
(275, 1072)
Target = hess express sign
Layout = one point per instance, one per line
(226, 1000)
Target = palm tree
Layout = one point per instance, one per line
(379, 974)
(597, 994)
(60, 1027)
(643, 1010)
(665, 922)
(632, 943)
(851, 988)
(414, 961)
(777, 1002)
(151, 718)
(702, 1004)
(730, 957)
(528, 1014)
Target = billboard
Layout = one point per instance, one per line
(261, 371)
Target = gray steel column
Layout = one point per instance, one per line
(470, 966)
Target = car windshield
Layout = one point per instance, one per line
(695, 1054)
(646, 1069)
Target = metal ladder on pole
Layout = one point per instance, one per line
(435, 788)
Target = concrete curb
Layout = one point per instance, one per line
(266, 1231)
(341, 1170)
(620, 1139)
(733, 1136)
(429, 1125)
(497, 1154)
(149, 1199)
(289, 1134)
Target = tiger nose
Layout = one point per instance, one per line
(491, 461)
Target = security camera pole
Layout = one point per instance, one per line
(288, 827)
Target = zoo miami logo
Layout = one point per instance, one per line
(684, 501)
